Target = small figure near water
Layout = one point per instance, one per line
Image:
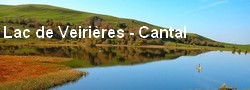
(199, 68)
(225, 87)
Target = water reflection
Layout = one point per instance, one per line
(175, 74)
(100, 56)
(225, 87)
(198, 68)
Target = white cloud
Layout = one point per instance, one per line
(212, 5)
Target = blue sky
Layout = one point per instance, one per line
(221, 20)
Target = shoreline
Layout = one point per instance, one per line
(188, 47)
(35, 72)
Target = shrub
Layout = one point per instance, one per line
(107, 41)
(233, 50)
(22, 22)
(221, 46)
(122, 25)
(57, 24)
(37, 24)
(10, 21)
(133, 21)
(11, 28)
(155, 42)
(31, 25)
(239, 51)
(68, 24)
(49, 22)
(120, 58)
(139, 42)
(94, 21)
(203, 43)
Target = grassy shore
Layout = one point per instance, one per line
(34, 72)
(52, 42)
(228, 47)
(42, 81)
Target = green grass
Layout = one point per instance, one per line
(199, 36)
(44, 81)
(76, 63)
(43, 12)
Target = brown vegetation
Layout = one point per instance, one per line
(18, 67)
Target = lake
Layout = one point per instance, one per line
(217, 68)
(148, 69)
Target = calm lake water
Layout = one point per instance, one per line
(181, 73)
(121, 68)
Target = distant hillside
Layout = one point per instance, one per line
(32, 16)
(43, 12)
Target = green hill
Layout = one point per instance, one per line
(34, 15)
(43, 12)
